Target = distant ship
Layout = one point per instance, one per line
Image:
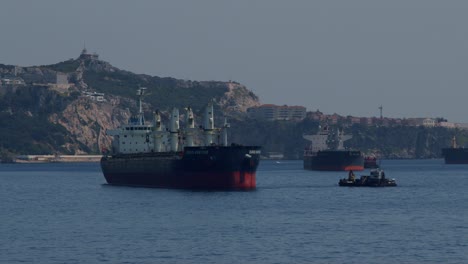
(454, 154)
(370, 162)
(321, 156)
(148, 154)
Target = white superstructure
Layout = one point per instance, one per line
(140, 137)
(326, 139)
(319, 141)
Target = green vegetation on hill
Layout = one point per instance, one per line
(25, 112)
(404, 141)
(163, 93)
(389, 142)
(273, 136)
(23, 134)
(65, 66)
(24, 125)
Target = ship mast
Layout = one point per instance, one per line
(141, 118)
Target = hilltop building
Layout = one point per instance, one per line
(276, 112)
(88, 56)
(98, 97)
(12, 81)
(61, 78)
(317, 115)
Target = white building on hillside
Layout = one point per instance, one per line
(276, 112)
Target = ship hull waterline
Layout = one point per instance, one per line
(455, 155)
(205, 168)
(335, 161)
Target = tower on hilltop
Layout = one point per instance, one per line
(88, 56)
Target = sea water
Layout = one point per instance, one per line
(66, 213)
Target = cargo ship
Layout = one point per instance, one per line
(327, 153)
(370, 162)
(151, 155)
(455, 154)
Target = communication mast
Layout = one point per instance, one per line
(140, 93)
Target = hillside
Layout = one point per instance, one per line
(55, 109)
(393, 142)
(48, 109)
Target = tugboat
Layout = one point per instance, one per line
(150, 155)
(375, 179)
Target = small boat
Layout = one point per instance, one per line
(375, 179)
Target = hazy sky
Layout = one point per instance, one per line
(347, 57)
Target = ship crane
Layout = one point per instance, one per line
(454, 142)
(342, 138)
(189, 127)
(224, 139)
(208, 125)
(174, 130)
(158, 132)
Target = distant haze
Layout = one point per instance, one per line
(347, 57)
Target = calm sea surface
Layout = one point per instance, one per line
(65, 213)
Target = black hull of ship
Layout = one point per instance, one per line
(370, 163)
(455, 155)
(335, 160)
(368, 183)
(209, 168)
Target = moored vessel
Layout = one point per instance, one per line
(322, 155)
(148, 154)
(370, 162)
(455, 154)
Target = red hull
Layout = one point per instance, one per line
(334, 160)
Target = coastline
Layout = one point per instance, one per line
(55, 158)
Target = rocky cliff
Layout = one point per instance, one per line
(57, 109)
(87, 121)
(62, 96)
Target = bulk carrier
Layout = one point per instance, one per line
(327, 153)
(455, 154)
(149, 155)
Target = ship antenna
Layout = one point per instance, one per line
(454, 142)
(140, 93)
